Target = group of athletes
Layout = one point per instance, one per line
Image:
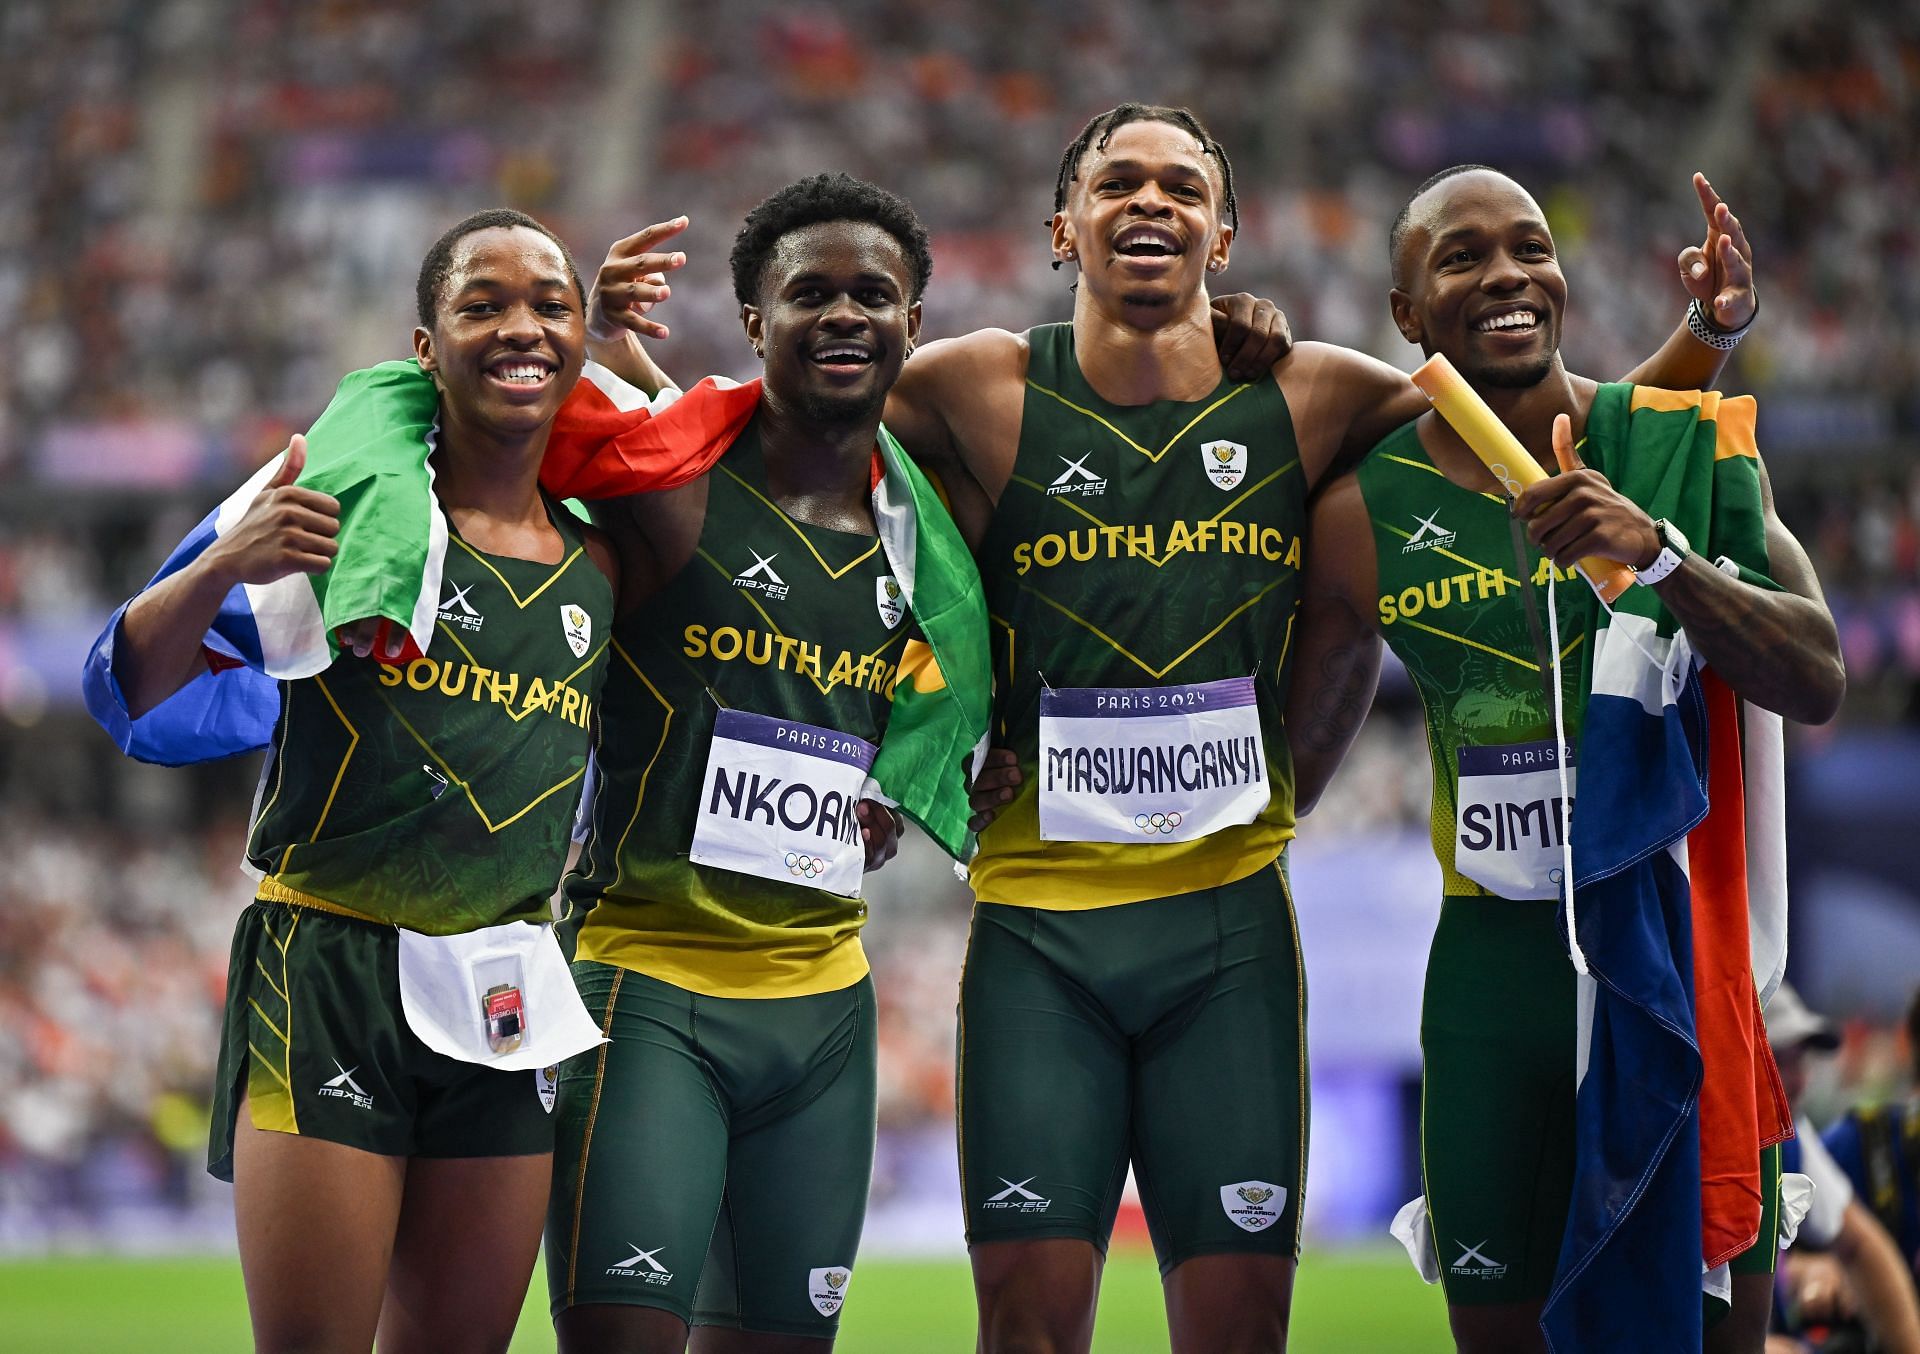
(1186, 525)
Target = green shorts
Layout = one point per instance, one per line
(714, 1156)
(1497, 1034)
(1498, 1029)
(315, 1042)
(1170, 1033)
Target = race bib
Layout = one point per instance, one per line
(1150, 763)
(777, 801)
(1508, 818)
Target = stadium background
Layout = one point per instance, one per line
(210, 209)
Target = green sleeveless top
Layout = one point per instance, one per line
(438, 796)
(1138, 546)
(1452, 608)
(771, 617)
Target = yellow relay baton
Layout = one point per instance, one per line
(1500, 451)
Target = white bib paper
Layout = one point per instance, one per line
(1151, 763)
(444, 980)
(777, 802)
(1507, 818)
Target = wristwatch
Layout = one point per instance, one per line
(1673, 553)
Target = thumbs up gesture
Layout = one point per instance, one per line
(1578, 513)
(286, 529)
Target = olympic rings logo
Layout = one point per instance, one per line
(804, 866)
(1156, 824)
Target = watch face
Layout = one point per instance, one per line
(1670, 536)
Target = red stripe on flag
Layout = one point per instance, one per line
(1741, 1109)
(597, 450)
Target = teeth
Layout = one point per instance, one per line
(525, 373)
(1518, 319)
(830, 354)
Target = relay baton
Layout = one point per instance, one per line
(1500, 451)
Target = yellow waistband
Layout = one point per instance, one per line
(271, 890)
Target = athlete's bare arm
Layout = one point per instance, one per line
(1342, 403)
(1336, 663)
(1777, 649)
(653, 536)
(286, 530)
(957, 408)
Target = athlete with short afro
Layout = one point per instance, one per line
(713, 1157)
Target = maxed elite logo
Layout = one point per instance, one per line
(344, 1087)
(1253, 1205)
(761, 577)
(1226, 463)
(827, 1288)
(644, 1266)
(1077, 481)
(1472, 1264)
(1430, 536)
(1018, 1198)
(458, 612)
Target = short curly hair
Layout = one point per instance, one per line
(437, 266)
(825, 197)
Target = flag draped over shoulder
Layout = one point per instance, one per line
(370, 450)
(1677, 1091)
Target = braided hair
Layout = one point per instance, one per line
(1100, 129)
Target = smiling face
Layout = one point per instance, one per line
(1480, 281)
(509, 334)
(1143, 218)
(835, 319)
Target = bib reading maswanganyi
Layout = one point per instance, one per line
(1507, 826)
(1150, 763)
(777, 802)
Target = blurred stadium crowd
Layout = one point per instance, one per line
(210, 209)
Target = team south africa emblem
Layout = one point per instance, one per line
(886, 595)
(1254, 1205)
(1226, 463)
(578, 626)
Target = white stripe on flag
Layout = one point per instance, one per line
(1632, 660)
(1765, 758)
(426, 605)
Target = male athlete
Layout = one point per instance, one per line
(1417, 545)
(1133, 991)
(713, 1158)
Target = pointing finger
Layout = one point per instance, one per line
(647, 238)
(1708, 198)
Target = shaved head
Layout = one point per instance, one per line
(1397, 234)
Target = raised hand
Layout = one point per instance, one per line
(632, 281)
(1718, 273)
(286, 529)
(1250, 333)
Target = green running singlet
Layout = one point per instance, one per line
(1138, 547)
